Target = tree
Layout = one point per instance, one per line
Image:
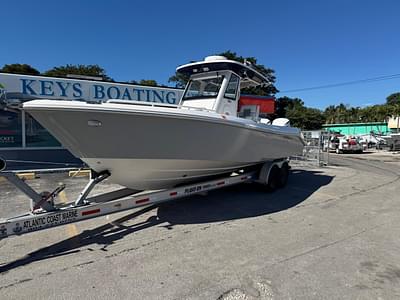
(341, 113)
(149, 82)
(20, 69)
(373, 113)
(180, 80)
(330, 113)
(393, 99)
(268, 90)
(86, 70)
(306, 118)
(299, 115)
(347, 114)
(283, 104)
(354, 115)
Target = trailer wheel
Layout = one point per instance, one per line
(3, 164)
(283, 175)
(274, 179)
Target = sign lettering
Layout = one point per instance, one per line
(51, 220)
(29, 87)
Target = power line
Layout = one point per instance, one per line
(367, 80)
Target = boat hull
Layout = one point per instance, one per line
(153, 149)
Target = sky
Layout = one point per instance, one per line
(308, 43)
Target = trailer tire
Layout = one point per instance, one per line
(283, 175)
(273, 179)
(3, 164)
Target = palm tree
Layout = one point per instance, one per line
(330, 112)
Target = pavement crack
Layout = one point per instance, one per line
(84, 263)
(16, 283)
(327, 245)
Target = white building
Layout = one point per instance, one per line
(394, 124)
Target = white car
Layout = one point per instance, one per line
(350, 144)
(341, 144)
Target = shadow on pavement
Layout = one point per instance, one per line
(236, 202)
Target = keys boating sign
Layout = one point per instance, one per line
(26, 87)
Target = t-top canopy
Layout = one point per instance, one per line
(249, 76)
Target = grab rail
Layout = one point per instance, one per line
(134, 102)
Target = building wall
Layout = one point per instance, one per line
(394, 124)
(358, 128)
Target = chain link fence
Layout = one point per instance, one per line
(315, 150)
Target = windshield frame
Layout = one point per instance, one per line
(237, 87)
(218, 76)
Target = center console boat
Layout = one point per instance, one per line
(155, 146)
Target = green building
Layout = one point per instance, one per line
(358, 128)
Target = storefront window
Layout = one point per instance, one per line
(10, 128)
(36, 135)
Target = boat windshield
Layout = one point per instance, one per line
(203, 88)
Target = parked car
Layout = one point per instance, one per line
(342, 144)
(350, 144)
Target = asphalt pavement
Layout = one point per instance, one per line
(331, 233)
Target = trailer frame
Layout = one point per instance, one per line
(46, 214)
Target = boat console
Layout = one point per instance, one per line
(215, 85)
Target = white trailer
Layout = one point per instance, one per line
(45, 213)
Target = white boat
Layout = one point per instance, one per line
(153, 146)
(392, 141)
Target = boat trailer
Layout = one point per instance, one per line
(44, 213)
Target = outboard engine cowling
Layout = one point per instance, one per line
(265, 121)
(281, 122)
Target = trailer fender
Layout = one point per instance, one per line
(271, 172)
